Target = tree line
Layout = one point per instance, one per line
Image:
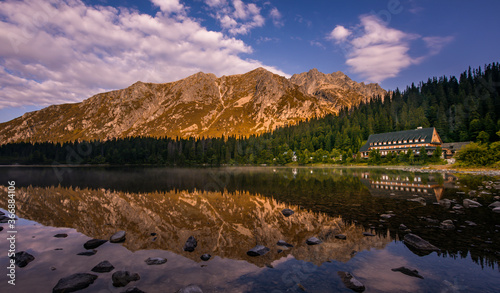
(466, 108)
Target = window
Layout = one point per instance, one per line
(422, 140)
(389, 142)
(399, 141)
(384, 143)
(410, 140)
(404, 141)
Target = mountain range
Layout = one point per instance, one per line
(199, 105)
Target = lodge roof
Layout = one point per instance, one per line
(414, 134)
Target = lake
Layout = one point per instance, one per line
(231, 210)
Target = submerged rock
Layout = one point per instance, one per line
(258, 250)
(155, 261)
(74, 282)
(94, 243)
(103, 267)
(351, 282)
(408, 271)
(283, 243)
(23, 258)
(61, 235)
(190, 289)
(313, 241)
(418, 243)
(469, 203)
(287, 212)
(118, 237)
(122, 278)
(190, 244)
(88, 253)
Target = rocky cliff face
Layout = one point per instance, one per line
(199, 105)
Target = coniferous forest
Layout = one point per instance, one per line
(466, 108)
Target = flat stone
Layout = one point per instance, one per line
(341, 236)
(23, 258)
(418, 243)
(351, 282)
(62, 235)
(284, 243)
(496, 210)
(287, 212)
(447, 225)
(469, 203)
(368, 234)
(496, 204)
(190, 289)
(190, 244)
(408, 271)
(88, 253)
(258, 250)
(155, 261)
(74, 283)
(118, 237)
(205, 257)
(470, 223)
(403, 227)
(122, 278)
(94, 243)
(313, 241)
(387, 216)
(103, 267)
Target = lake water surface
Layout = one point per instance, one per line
(230, 210)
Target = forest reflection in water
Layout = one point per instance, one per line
(230, 210)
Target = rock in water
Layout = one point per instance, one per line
(368, 234)
(94, 243)
(287, 212)
(205, 257)
(496, 204)
(313, 241)
(408, 272)
(133, 290)
(283, 243)
(118, 237)
(351, 282)
(103, 267)
(447, 225)
(122, 278)
(155, 261)
(496, 210)
(190, 244)
(23, 258)
(190, 289)
(62, 235)
(258, 250)
(87, 253)
(418, 243)
(74, 283)
(469, 203)
(341, 236)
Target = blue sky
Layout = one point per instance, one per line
(63, 51)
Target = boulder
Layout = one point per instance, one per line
(23, 258)
(155, 261)
(469, 203)
(94, 243)
(190, 244)
(74, 283)
(496, 210)
(103, 267)
(287, 212)
(496, 204)
(351, 282)
(408, 271)
(258, 250)
(313, 241)
(118, 237)
(122, 278)
(418, 243)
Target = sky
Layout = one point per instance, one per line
(64, 51)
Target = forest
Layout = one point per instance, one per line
(466, 108)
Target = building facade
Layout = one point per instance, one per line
(401, 141)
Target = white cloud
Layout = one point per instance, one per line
(377, 52)
(64, 51)
(169, 6)
(237, 18)
(339, 33)
(276, 17)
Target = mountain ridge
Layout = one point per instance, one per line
(201, 104)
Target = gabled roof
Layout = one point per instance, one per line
(422, 133)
